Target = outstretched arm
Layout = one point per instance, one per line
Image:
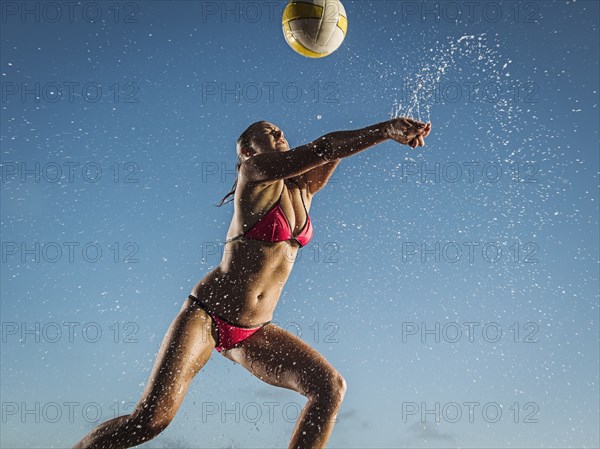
(342, 144)
(334, 146)
(323, 154)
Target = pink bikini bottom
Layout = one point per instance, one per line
(230, 334)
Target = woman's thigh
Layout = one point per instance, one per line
(280, 358)
(185, 349)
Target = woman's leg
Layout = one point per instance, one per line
(185, 349)
(284, 360)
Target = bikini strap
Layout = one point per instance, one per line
(234, 238)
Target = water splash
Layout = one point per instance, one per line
(425, 87)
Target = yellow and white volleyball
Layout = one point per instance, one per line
(315, 28)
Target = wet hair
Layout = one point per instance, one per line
(244, 141)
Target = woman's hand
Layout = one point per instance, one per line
(407, 131)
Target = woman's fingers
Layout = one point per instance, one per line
(417, 141)
(426, 130)
(414, 132)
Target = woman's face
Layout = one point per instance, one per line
(267, 137)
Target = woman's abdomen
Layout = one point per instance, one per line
(243, 290)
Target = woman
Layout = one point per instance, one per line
(229, 310)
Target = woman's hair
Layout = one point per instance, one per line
(244, 141)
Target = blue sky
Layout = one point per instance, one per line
(462, 275)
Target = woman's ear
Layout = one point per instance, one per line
(248, 152)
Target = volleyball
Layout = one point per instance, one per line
(315, 28)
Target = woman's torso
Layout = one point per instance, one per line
(245, 287)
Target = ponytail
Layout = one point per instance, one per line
(232, 191)
(244, 141)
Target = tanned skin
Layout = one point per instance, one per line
(246, 286)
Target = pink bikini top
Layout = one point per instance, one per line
(275, 227)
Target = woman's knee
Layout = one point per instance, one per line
(338, 386)
(330, 388)
(149, 425)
